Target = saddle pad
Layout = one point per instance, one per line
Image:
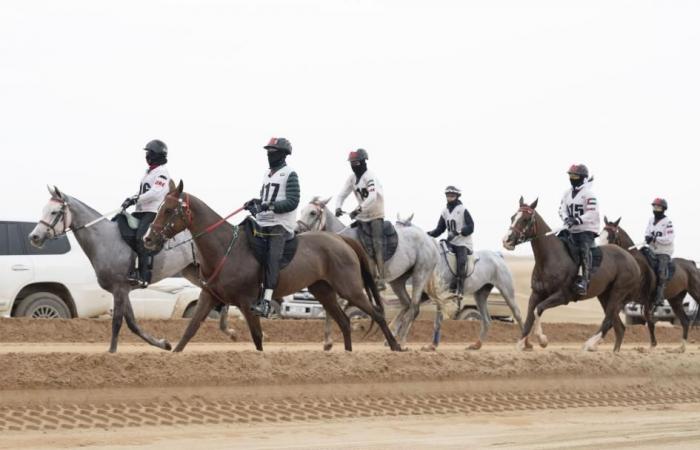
(654, 262)
(390, 240)
(596, 252)
(127, 232)
(258, 244)
(451, 259)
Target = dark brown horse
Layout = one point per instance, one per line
(686, 279)
(328, 264)
(615, 282)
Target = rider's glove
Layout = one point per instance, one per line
(339, 212)
(355, 212)
(649, 239)
(129, 201)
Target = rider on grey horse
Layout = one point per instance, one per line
(152, 190)
(659, 236)
(579, 211)
(459, 225)
(276, 213)
(370, 210)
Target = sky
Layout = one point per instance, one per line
(497, 97)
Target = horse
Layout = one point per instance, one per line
(686, 279)
(112, 258)
(615, 282)
(415, 259)
(490, 270)
(329, 265)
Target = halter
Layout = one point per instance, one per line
(60, 215)
(320, 218)
(532, 224)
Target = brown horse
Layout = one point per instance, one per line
(328, 264)
(614, 283)
(686, 279)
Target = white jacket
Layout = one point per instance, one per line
(582, 205)
(369, 194)
(153, 189)
(662, 231)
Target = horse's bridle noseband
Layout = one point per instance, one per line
(60, 215)
(532, 224)
(613, 231)
(320, 218)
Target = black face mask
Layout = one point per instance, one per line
(156, 159)
(576, 182)
(276, 159)
(359, 169)
(658, 215)
(453, 203)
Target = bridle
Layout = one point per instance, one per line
(320, 219)
(183, 211)
(61, 216)
(531, 225)
(615, 232)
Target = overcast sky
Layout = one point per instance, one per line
(496, 97)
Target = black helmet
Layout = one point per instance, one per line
(157, 147)
(279, 144)
(452, 190)
(660, 202)
(578, 169)
(358, 155)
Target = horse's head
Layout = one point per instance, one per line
(611, 233)
(523, 225)
(56, 219)
(174, 215)
(404, 222)
(313, 216)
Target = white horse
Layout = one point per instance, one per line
(415, 259)
(489, 270)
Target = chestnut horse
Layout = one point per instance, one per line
(328, 264)
(686, 280)
(615, 282)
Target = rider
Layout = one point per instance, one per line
(579, 211)
(152, 191)
(459, 225)
(370, 210)
(276, 213)
(659, 236)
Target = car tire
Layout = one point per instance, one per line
(43, 305)
(469, 314)
(189, 312)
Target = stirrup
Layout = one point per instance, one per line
(261, 308)
(581, 286)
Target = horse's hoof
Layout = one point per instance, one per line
(327, 347)
(166, 345)
(542, 339)
(232, 334)
(475, 346)
(428, 348)
(590, 348)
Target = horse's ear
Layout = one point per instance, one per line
(398, 217)
(58, 194)
(533, 205)
(617, 222)
(180, 187)
(171, 185)
(326, 201)
(51, 191)
(605, 219)
(522, 201)
(410, 218)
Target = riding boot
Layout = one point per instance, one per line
(659, 297)
(378, 245)
(140, 276)
(581, 284)
(276, 239)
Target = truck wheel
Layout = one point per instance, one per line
(43, 305)
(469, 314)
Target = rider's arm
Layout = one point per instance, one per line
(371, 194)
(292, 193)
(347, 189)
(563, 212)
(160, 183)
(468, 227)
(441, 227)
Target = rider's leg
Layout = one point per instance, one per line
(377, 228)
(461, 254)
(661, 277)
(276, 237)
(145, 257)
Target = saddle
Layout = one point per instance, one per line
(390, 240)
(451, 259)
(258, 243)
(654, 262)
(128, 225)
(572, 248)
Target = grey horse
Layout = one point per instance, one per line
(415, 259)
(112, 258)
(490, 270)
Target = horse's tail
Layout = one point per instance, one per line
(693, 277)
(367, 277)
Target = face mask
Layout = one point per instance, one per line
(576, 182)
(658, 215)
(276, 159)
(359, 169)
